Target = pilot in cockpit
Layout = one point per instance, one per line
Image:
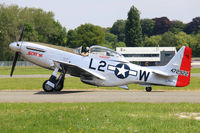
(84, 50)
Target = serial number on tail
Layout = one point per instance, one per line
(180, 72)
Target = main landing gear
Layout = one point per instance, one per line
(54, 84)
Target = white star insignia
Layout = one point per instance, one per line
(122, 71)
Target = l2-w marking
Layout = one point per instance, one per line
(144, 75)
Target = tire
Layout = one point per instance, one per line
(148, 89)
(60, 86)
(46, 87)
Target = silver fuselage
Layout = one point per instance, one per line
(116, 71)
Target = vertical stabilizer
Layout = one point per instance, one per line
(180, 65)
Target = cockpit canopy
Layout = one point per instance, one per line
(102, 52)
(99, 50)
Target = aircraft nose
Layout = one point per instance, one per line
(15, 46)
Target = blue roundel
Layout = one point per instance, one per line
(122, 71)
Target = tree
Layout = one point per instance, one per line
(29, 33)
(176, 26)
(59, 36)
(73, 40)
(147, 27)
(87, 35)
(111, 39)
(168, 40)
(152, 41)
(133, 30)
(162, 25)
(183, 39)
(193, 27)
(118, 29)
(39, 26)
(196, 46)
(8, 26)
(193, 41)
(120, 44)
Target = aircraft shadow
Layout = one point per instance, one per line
(58, 92)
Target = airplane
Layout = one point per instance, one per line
(101, 67)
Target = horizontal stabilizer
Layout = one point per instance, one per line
(161, 73)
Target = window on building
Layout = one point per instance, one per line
(168, 55)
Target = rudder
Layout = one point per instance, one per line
(185, 68)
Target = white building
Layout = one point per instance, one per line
(147, 55)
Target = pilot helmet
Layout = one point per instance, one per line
(87, 49)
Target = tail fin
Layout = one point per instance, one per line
(180, 65)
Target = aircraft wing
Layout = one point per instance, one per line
(75, 70)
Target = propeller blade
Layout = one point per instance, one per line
(21, 35)
(14, 63)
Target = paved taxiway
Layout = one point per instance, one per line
(69, 96)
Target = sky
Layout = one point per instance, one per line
(73, 13)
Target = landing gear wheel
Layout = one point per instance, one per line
(46, 87)
(148, 89)
(59, 87)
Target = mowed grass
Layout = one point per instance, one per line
(36, 84)
(75, 83)
(24, 70)
(98, 118)
(29, 70)
(195, 70)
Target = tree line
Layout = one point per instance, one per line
(40, 26)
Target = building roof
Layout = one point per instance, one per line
(143, 50)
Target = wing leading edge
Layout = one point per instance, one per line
(80, 69)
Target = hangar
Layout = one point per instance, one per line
(144, 56)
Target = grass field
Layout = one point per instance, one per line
(94, 117)
(99, 118)
(75, 83)
(28, 70)
(195, 70)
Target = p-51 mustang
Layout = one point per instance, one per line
(102, 66)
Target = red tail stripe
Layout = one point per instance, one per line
(185, 66)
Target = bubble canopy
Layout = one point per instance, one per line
(100, 50)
